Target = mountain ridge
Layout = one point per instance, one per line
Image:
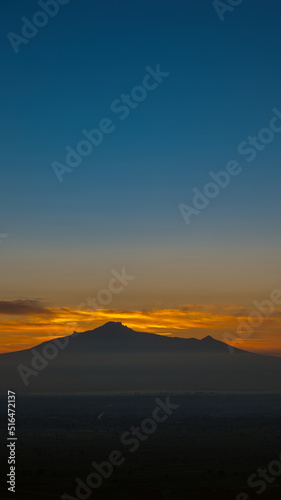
(114, 358)
(122, 337)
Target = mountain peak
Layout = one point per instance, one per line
(209, 339)
(114, 326)
(114, 323)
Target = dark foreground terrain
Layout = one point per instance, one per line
(206, 449)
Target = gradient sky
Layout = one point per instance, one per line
(119, 207)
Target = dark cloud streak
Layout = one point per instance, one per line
(23, 308)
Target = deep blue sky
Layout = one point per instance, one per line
(120, 206)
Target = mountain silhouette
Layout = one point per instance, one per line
(114, 336)
(115, 358)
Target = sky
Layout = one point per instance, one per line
(62, 242)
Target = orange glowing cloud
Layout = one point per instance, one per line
(27, 323)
